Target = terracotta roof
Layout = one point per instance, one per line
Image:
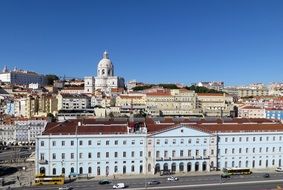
(71, 127)
(158, 94)
(210, 94)
(250, 107)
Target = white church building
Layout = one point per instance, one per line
(105, 79)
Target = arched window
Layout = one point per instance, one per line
(141, 169)
(54, 171)
(63, 170)
(149, 167)
(157, 168)
(133, 168)
(124, 169)
(81, 170)
(189, 167)
(173, 167)
(196, 166)
(103, 72)
(116, 169)
(98, 170)
(42, 170)
(165, 167)
(247, 164)
(181, 167)
(107, 170)
(204, 166)
(89, 170)
(72, 170)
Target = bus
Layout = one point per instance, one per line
(49, 180)
(237, 171)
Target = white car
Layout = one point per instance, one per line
(279, 169)
(172, 178)
(66, 188)
(119, 186)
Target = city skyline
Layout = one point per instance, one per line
(237, 42)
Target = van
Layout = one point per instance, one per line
(119, 186)
(279, 169)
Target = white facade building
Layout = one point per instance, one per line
(105, 79)
(21, 77)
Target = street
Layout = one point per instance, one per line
(254, 181)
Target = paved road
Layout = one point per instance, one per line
(186, 182)
(14, 154)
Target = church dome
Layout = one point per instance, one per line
(105, 62)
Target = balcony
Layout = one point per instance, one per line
(43, 162)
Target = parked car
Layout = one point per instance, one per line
(279, 169)
(172, 178)
(66, 188)
(266, 175)
(103, 182)
(119, 186)
(153, 182)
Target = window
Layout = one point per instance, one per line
(149, 154)
(247, 150)
(157, 154)
(190, 141)
(89, 142)
(279, 149)
(226, 139)
(226, 150)
(53, 143)
(253, 150)
(42, 156)
(253, 138)
(107, 142)
(81, 155)
(266, 149)
(212, 152)
(72, 155)
(174, 141)
(107, 154)
(149, 142)
(189, 153)
(260, 138)
(124, 154)
(81, 143)
(233, 139)
(233, 150)
(63, 156)
(182, 141)
(54, 156)
(98, 143)
(260, 149)
(173, 153)
(240, 150)
(63, 143)
(247, 139)
(141, 153)
(205, 140)
(41, 143)
(116, 154)
(166, 141)
(181, 153)
(116, 142)
(72, 143)
(124, 142)
(267, 138)
(197, 152)
(98, 155)
(133, 142)
(89, 155)
(240, 139)
(273, 138)
(273, 149)
(165, 153)
(141, 141)
(158, 141)
(197, 141)
(133, 154)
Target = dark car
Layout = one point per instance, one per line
(103, 182)
(266, 175)
(153, 182)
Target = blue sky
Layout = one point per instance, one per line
(158, 41)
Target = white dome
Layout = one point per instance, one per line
(105, 62)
